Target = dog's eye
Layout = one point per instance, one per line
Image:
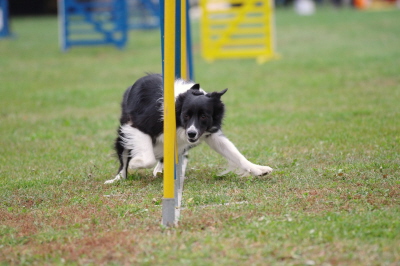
(203, 117)
(186, 117)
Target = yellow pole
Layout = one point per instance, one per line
(169, 98)
(184, 67)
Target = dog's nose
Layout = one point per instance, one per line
(192, 134)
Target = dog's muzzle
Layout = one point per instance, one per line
(192, 136)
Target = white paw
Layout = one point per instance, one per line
(117, 178)
(158, 170)
(259, 170)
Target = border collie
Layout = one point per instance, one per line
(198, 118)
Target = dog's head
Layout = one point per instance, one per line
(198, 112)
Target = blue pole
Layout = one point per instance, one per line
(189, 42)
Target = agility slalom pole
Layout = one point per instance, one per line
(186, 57)
(189, 42)
(168, 211)
(183, 54)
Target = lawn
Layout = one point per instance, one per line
(326, 117)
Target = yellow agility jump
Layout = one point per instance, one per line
(237, 29)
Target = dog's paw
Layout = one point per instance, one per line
(250, 169)
(259, 170)
(158, 174)
(117, 178)
(158, 170)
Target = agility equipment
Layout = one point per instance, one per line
(237, 29)
(177, 63)
(4, 19)
(143, 14)
(85, 22)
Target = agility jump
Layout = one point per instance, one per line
(238, 29)
(4, 19)
(92, 23)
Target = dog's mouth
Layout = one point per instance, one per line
(192, 140)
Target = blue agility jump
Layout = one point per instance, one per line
(4, 19)
(92, 22)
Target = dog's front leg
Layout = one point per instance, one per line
(158, 169)
(184, 163)
(221, 144)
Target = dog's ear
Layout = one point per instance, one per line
(222, 92)
(218, 94)
(197, 93)
(195, 87)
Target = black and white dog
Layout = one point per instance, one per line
(198, 118)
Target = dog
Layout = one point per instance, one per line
(199, 118)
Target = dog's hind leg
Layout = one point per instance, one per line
(221, 144)
(135, 150)
(142, 152)
(124, 158)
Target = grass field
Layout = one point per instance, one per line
(326, 117)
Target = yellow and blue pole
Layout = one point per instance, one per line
(177, 63)
(168, 211)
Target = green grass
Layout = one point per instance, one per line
(325, 117)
